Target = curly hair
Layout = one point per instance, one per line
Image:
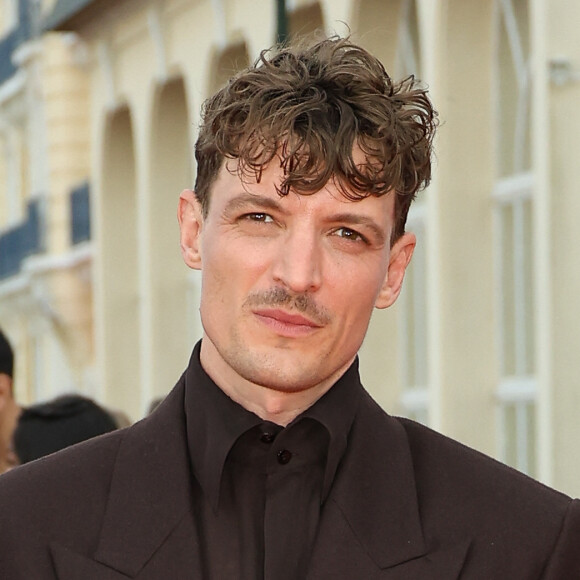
(313, 106)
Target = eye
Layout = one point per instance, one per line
(351, 235)
(258, 217)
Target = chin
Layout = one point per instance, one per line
(277, 380)
(284, 376)
(281, 365)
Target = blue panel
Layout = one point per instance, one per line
(21, 241)
(80, 214)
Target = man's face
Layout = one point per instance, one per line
(288, 283)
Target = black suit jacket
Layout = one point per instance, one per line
(406, 504)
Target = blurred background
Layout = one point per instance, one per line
(99, 107)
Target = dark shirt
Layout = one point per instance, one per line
(263, 485)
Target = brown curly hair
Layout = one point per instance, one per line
(312, 106)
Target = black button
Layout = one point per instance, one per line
(284, 456)
(267, 437)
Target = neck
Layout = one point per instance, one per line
(278, 407)
(269, 403)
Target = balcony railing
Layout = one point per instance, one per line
(21, 241)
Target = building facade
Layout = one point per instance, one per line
(99, 105)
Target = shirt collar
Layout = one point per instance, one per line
(336, 410)
(215, 422)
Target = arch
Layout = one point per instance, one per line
(376, 25)
(119, 272)
(305, 20)
(171, 163)
(226, 63)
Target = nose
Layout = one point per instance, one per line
(298, 264)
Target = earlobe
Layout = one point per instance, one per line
(190, 217)
(401, 254)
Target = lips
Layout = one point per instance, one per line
(285, 324)
(286, 318)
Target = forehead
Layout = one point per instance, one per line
(233, 182)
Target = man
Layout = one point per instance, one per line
(9, 409)
(268, 459)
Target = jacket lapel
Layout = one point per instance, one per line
(147, 524)
(370, 525)
(72, 566)
(150, 490)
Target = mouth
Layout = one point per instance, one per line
(285, 323)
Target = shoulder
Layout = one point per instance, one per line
(81, 475)
(61, 497)
(67, 498)
(444, 462)
(461, 494)
(79, 472)
(514, 521)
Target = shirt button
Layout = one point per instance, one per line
(284, 456)
(267, 437)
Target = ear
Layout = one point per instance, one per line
(5, 390)
(399, 259)
(190, 217)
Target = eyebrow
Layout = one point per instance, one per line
(245, 200)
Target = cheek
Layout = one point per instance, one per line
(235, 252)
(357, 287)
(352, 306)
(231, 270)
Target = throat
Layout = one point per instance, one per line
(271, 405)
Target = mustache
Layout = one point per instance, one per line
(303, 303)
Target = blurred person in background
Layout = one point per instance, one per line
(121, 418)
(9, 408)
(48, 427)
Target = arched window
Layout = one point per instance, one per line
(513, 197)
